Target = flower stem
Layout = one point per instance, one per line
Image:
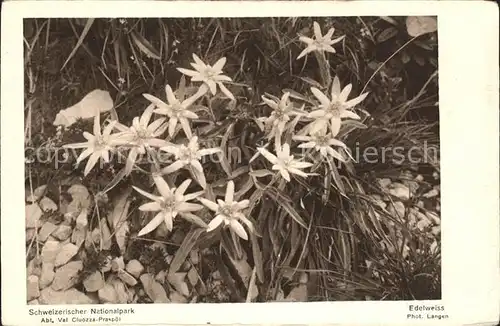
(324, 68)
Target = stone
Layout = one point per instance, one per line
(47, 205)
(135, 268)
(117, 264)
(37, 194)
(46, 230)
(34, 302)
(433, 217)
(67, 275)
(126, 277)
(397, 209)
(176, 297)
(30, 233)
(194, 255)
(67, 252)
(106, 267)
(105, 235)
(160, 277)
(34, 267)
(193, 276)
(47, 275)
(423, 224)
(430, 194)
(400, 191)
(107, 294)
(67, 297)
(63, 232)
(50, 250)
(419, 178)
(78, 236)
(177, 280)
(436, 230)
(384, 183)
(94, 282)
(32, 288)
(33, 213)
(153, 289)
(122, 295)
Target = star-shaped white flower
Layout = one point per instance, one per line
(229, 213)
(334, 109)
(211, 76)
(284, 162)
(98, 145)
(319, 42)
(189, 155)
(177, 111)
(142, 135)
(322, 143)
(170, 203)
(283, 110)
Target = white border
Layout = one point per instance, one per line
(468, 62)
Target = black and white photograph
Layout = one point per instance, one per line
(222, 160)
(253, 162)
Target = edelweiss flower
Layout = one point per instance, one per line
(172, 201)
(142, 135)
(97, 145)
(211, 76)
(177, 111)
(334, 109)
(189, 155)
(284, 162)
(282, 111)
(319, 43)
(228, 211)
(322, 142)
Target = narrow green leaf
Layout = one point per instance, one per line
(144, 45)
(184, 250)
(287, 207)
(86, 29)
(260, 173)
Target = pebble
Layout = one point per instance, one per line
(397, 209)
(37, 193)
(47, 275)
(430, 194)
(177, 280)
(423, 224)
(30, 233)
(436, 230)
(50, 250)
(121, 292)
(71, 296)
(194, 255)
(384, 183)
(433, 217)
(67, 252)
(176, 297)
(32, 288)
(400, 190)
(33, 213)
(48, 205)
(106, 267)
(117, 264)
(193, 276)
(63, 232)
(78, 236)
(126, 277)
(33, 267)
(419, 178)
(34, 302)
(94, 282)
(46, 230)
(135, 268)
(67, 275)
(153, 289)
(108, 294)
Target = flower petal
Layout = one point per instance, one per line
(182, 188)
(162, 186)
(229, 193)
(150, 207)
(209, 151)
(131, 159)
(78, 145)
(177, 165)
(84, 155)
(284, 173)
(306, 40)
(335, 87)
(219, 64)
(268, 155)
(91, 162)
(238, 229)
(355, 101)
(335, 126)
(185, 126)
(345, 93)
(172, 123)
(198, 61)
(189, 207)
(226, 91)
(209, 204)
(329, 34)
(188, 72)
(109, 128)
(153, 224)
(310, 144)
(317, 31)
(215, 223)
(146, 116)
(212, 86)
(325, 102)
(242, 204)
(170, 95)
(349, 114)
(169, 220)
(193, 195)
(156, 101)
(97, 123)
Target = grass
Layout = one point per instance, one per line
(67, 58)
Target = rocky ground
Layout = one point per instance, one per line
(68, 261)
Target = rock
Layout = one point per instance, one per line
(153, 289)
(30, 233)
(430, 194)
(67, 275)
(420, 204)
(33, 267)
(108, 294)
(32, 288)
(78, 236)
(376, 199)
(122, 295)
(176, 297)
(397, 209)
(46, 230)
(47, 275)
(135, 268)
(47, 205)
(34, 302)
(71, 296)
(177, 280)
(298, 294)
(33, 213)
(63, 232)
(160, 277)
(384, 183)
(67, 252)
(117, 264)
(400, 191)
(436, 230)
(433, 217)
(419, 178)
(50, 250)
(194, 255)
(126, 277)
(81, 198)
(81, 220)
(192, 276)
(423, 224)
(37, 194)
(106, 267)
(94, 282)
